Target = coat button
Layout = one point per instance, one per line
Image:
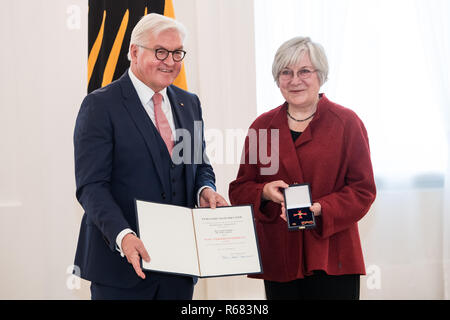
(163, 195)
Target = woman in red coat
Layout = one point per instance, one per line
(320, 143)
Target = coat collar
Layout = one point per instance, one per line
(287, 147)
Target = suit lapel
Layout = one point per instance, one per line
(181, 114)
(143, 123)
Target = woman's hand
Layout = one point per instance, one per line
(271, 191)
(316, 209)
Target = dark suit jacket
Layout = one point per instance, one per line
(118, 160)
(332, 154)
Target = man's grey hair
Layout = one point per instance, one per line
(154, 24)
(293, 50)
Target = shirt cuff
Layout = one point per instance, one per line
(120, 237)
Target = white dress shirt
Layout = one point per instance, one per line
(145, 95)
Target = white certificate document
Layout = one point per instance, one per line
(202, 242)
(226, 241)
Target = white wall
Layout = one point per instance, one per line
(42, 82)
(403, 245)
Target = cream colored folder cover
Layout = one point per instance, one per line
(201, 242)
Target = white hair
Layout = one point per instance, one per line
(293, 50)
(154, 24)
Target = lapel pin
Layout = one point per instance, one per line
(181, 104)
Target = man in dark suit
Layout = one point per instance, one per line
(127, 146)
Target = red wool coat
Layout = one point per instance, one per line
(332, 154)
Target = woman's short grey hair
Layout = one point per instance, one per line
(293, 50)
(154, 23)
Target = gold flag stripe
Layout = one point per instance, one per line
(114, 54)
(93, 55)
(168, 9)
(180, 81)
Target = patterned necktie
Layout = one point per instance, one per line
(161, 122)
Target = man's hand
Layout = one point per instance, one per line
(133, 249)
(210, 198)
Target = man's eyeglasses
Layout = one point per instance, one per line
(162, 54)
(288, 74)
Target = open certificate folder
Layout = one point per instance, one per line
(201, 242)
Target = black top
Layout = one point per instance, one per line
(295, 135)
